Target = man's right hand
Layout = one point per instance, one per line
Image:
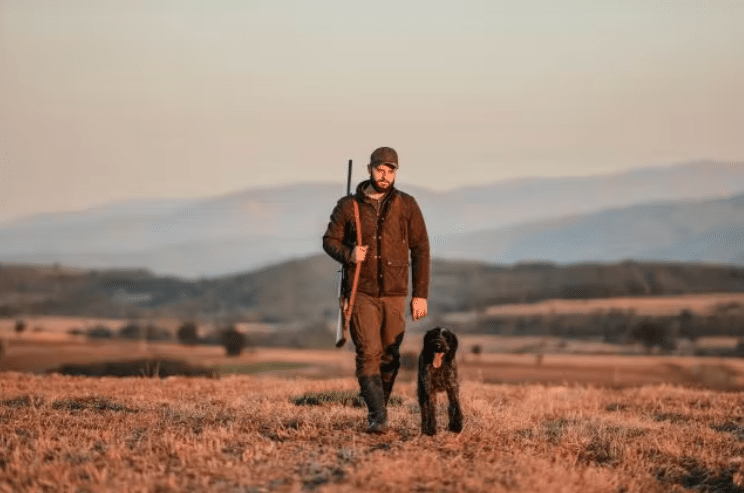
(359, 254)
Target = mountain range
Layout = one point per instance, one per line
(687, 212)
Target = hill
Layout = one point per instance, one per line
(686, 231)
(255, 228)
(305, 289)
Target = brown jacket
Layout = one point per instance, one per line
(391, 232)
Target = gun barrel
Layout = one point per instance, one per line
(341, 335)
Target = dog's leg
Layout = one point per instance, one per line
(429, 416)
(454, 411)
(427, 402)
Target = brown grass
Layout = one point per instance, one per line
(245, 434)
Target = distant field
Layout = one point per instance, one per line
(246, 434)
(610, 370)
(46, 344)
(702, 304)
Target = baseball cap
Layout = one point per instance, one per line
(384, 155)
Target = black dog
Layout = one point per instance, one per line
(437, 372)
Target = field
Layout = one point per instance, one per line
(541, 414)
(515, 360)
(246, 434)
(650, 305)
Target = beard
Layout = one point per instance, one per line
(381, 186)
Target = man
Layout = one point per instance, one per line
(392, 228)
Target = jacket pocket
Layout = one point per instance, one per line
(395, 279)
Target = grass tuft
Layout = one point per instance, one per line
(23, 401)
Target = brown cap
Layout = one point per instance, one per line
(384, 155)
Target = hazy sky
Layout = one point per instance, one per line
(105, 100)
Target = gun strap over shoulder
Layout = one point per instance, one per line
(357, 267)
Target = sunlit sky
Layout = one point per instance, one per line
(106, 100)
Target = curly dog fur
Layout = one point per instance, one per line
(437, 372)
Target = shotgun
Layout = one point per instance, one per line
(342, 334)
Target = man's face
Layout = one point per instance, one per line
(383, 176)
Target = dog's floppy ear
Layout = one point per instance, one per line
(451, 342)
(428, 348)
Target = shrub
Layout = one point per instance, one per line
(100, 332)
(151, 332)
(20, 326)
(654, 334)
(131, 331)
(187, 334)
(233, 341)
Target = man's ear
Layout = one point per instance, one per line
(369, 169)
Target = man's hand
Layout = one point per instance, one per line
(358, 254)
(419, 308)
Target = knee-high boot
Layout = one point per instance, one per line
(373, 395)
(388, 380)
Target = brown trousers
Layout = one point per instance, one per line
(377, 327)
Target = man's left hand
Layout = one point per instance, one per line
(418, 308)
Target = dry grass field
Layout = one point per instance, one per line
(246, 434)
(581, 418)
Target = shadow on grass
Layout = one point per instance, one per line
(261, 367)
(92, 403)
(688, 473)
(350, 398)
(136, 368)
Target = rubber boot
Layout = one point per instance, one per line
(389, 366)
(388, 380)
(374, 397)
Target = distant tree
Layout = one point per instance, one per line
(155, 333)
(652, 334)
(476, 349)
(131, 331)
(233, 341)
(187, 334)
(689, 327)
(100, 332)
(20, 326)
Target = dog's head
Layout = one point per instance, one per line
(440, 346)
